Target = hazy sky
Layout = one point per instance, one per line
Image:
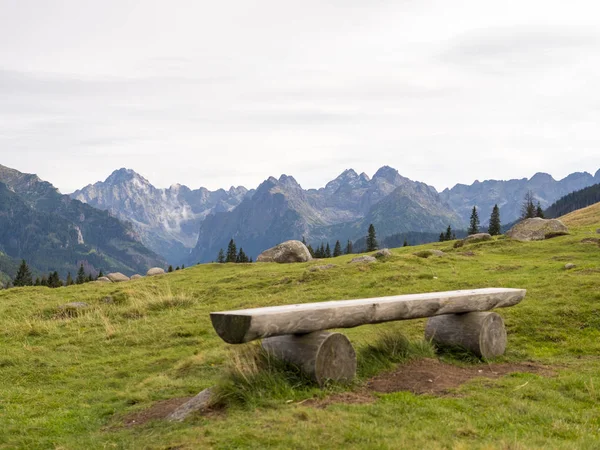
(215, 93)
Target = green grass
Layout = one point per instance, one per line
(68, 380)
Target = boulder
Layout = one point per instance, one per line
(137, 276)
(319, 268)
(537, 229)
(569, 266)
(103, 280)
(438, 253)
(473, 238)
(117, 277)
(364, 259)
(155, 271)
(74, 305)
(383, 253)
(286, 252)
(200, 403)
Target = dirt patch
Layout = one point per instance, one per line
(161, 410)
(591, 241)
(430, 376)
(425, 376)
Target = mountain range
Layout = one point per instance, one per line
(56, 233)
(190, 226)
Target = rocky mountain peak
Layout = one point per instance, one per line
(541, 178)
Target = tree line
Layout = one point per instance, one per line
(24, 277)
(528, 210)
(233, 255)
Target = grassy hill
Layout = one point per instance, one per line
(93, 379)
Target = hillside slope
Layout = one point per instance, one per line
(585, 217)
(95, 378)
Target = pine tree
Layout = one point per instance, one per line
(349, 247)
(100, 274)
(337, 250)
(371, 239)
(231, 252)
(527, 207)
(182, 266)
(241, 256)
(495, 228)
(38, 282)
(44, 281)
(473, 222)
(69, 281)
(448, 235)
(405, 243)
(539, 212)
(321, 251)
(170, 269)
(442, 237)
(177, 268)
(221, 256)
(89, 278)
(327, 251)
(23, 277)
(310, 250)
(54, 280)
(80, 275)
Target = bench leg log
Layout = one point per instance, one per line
(321, 355)
(483, 333)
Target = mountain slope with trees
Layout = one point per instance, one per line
(573, 201)
(53, 232)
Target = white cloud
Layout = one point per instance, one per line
(221, 93)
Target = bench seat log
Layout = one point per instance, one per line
(236, 327)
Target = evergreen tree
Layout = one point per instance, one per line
(241, 257)
(310, 250)
(474, 222)
(327, 251)
(170, 269)
(89, 278)
(337, 250)
(539, 212)
(221, 256)
(23, 277)
(182, 266)
(38, 282)
(371, 239)
(442, 237)
(177, 268)
(54, 280)
(349, 247)
(495, 228)
(44, 281)
(448, 235)
(405, 243)
(231, 252)
(80, 275)
(69, 281)
(527, 207)
(100, 274)
(321, 251)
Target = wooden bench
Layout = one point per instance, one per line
(296, 333)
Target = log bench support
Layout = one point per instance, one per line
(321, 355)
(482, 333)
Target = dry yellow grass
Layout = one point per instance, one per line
(583, 217)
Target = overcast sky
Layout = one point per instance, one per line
(220, 93)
